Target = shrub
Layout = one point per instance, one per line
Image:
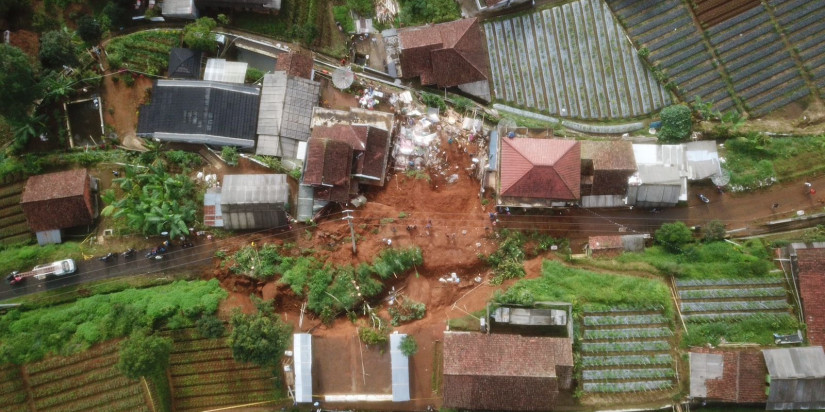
(260, 338)
(674, 236)
(677, 123)
(143, 355)
(210, 327)
(407, 311)
(432, 100)
(713, 231)
(409, 346)
(183, 159)
(507, 260)
(417, 12)
(372, 336)
(364, 8)
(253, 75)
(230, 155)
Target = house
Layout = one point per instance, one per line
(179, 9)
(284, 115)
(797, 378)
(505, 372)
(661, 180)
(614, 245)
(296, 64)
(220, 70)
(539, 172)
(702, 160)
(446, 55)
(184, 64)
(254, 201)
(606, 168)
(811, 279)
(727, 376)
(57, 201)
(201, 112)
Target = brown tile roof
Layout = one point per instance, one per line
(328, 167)
(446, 54)
(743, 376)
(609, 155)
(375, 159)
(812, 289)
(504, 372)
(605, 242)
(370, 147)
(58, 200)
(541, 168)
(295, 64)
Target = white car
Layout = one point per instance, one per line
(59, 268)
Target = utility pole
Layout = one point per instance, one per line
(349, 218)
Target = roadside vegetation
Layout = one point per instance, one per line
(756, 160)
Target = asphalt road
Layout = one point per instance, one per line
(94, 270)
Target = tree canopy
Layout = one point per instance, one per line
(89, 29)
(677, 123)
(17, 81)
(363, 8)
(672, 236)
(144, 355)
(57, 49)
(260, 338)
(198, 35)
(416, 12)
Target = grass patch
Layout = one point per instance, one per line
(145, 51)
(757, 160)
(437, 375)
(469, 322)
(754, 329)
(580, 287)
(714, 260)
(25, 257)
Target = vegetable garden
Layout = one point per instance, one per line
(573, 61)
(803, 23)
(13, 226)
(145, 51)
(204, 375)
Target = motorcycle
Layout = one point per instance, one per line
(108, 258)
(703, 198)
(14, 278)
(187, 244)
(129, 253)
(158, 251)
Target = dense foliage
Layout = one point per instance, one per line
(144, 355)
(229, 154)
(57, 49)
(507, 261)
(17, 81)
(418, 12)
(715, 260)
(198, 35)
(153, 201)
(259, 338)
(210, 327)
(756, 160)
(677, 122)
(26, 336)
(406, 311)
(674, 236)
(409, 346)
(145, 51)
(89, 30)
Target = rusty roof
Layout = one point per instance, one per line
(446, 54)
(606, 155)
(605, 242)
(541, 168)
(296, 64)
(741, 378)
(57, 200)
(55, 186)
(328, 166)
(811, 280)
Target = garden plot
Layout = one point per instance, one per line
(744, 43)
(626, 350)
(204, 375)
(84, 382)
(13, 394)
(803, 22)
(572, 60)
(667, 31)
(13, 227)
(729, 299)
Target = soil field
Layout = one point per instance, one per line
(710, 12)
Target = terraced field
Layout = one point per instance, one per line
(666, 29)
(204, 375)
(626, 351)
(761, 69)
(13, 395)
(572, 60)
(727, 300)
(13, 226)
(84, 382)
(803, 22)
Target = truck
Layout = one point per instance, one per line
(58, 268)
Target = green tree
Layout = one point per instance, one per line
(713, 231)
(57, 49)
(210, 327)
(364, 8)
(57, 87)
(230, 155)
(89, 29)
(144, 355)
(259, 338)
(408, 346)
(415, 12)
(18, 83)
(223, 20)
(677, 123)
(673, 236)
(198, 35)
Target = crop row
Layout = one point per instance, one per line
(624, 320)
(10, 220)
(17, 397)
(62, 385)
(627, 360)
(631, 333)
(224, 388)
(205, 402)
(133, 404)
(199, 344)
(734, 305)
(194, 356)
(10, 200)
(71, 370)
(14, 188)
(208, 367)
(626, 374)
(595, 308)
(732, 293)
(54, 362)
(179, 335)
(219, 377)
(658, 345)
(730, 316)
(730, 282)
(621, 387)
(96, 394)
(14, 229)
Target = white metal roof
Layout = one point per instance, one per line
(400, 369)
(302, 352)
(220, 70)
(795, 363)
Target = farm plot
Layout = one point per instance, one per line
(146, 51)
(86, 381)
(666, 29)
(13, 227)
(572, 60)
(204, 375)
(13, 393)
(762, 71)
(803, 23)
(710, 12)
(626, 351)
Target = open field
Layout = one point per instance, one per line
(571, 61)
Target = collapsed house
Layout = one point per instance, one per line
(727, 376)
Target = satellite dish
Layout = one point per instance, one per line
(721, 179)
(342, 78)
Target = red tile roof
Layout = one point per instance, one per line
(743, 376)
(812, 290)
(58, 200)
(328, 167)
(370, 149)
(541, 168)
(295, 64)
(505, 372)
(446, 54)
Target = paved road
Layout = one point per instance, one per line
(93, 269)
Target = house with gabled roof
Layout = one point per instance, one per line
(284, 115)
(248, 201)
(297, 64)
(451, 54)
(539, 172)
(797, 378)
(505, 372)
(184, 63)
(56, 201)
(734, 376)
(606, 168)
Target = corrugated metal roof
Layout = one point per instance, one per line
(795, 363)
(212, 214)
(302, 352)
(285, 113)
(704, 366)
(400, 369)
(702, 159)
(220, 70)
(179, 8)
(306, 199)
(245, 189)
